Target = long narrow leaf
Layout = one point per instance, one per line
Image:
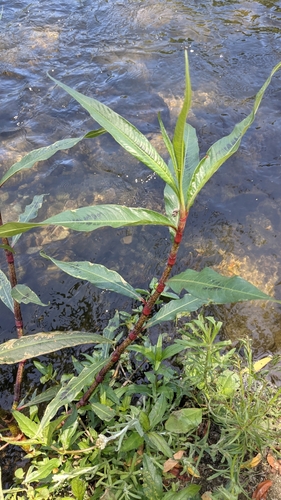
(90, 218)
(23, 294)
(67, 394)
(31, 346)
(29, 213)
(210, 286)
(98, 275)
(5, 291)
(94, 217)
(178, 140)
(170, 311)
(168, 144)
(191, 156)
(224, 148)
(12, 228)
(44, 153)
(124, 133)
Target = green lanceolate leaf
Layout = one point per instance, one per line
(45, 396)
(109, 332)
(27, 426)
(42, 154)
(124, 133)
(30, 346)
(98, 275)
(158, 410)
(184, 420)
(152, 481)
(43, 471)
(224, 148)
(210, 286)
(67, 394)
(157, 441)
(90, 218)
(94, 217)
(29, 213)
(105, 413)
(191, 156)
(170, 311)
(178, 140)
(10, 249)
(5, 291)
(12, 228)
(23, 294)
(169, 145)
(172, 206)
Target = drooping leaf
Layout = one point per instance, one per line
(124, 133)
(5, 291)
(44, 153)
(30, 346)
(170, 311)
(97, 274)
(210, 286)
(29, 213)
(68, 393)
(178, 140)
(184, 420)
(22, 293)
(224, 148)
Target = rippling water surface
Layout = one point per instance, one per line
(129, 55)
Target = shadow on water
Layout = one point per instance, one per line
(129, 54)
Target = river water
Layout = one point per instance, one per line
(129, 55)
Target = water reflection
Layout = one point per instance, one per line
(129, 54)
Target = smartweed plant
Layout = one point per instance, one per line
(184, 177)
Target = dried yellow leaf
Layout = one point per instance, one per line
(192, 472)
(250, 464)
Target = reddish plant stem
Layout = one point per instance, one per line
(138, 329)
(17, 315)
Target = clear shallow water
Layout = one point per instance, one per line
(129, 54)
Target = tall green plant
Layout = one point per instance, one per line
(184, 176)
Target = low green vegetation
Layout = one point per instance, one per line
(201, 412)
(204, 415)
